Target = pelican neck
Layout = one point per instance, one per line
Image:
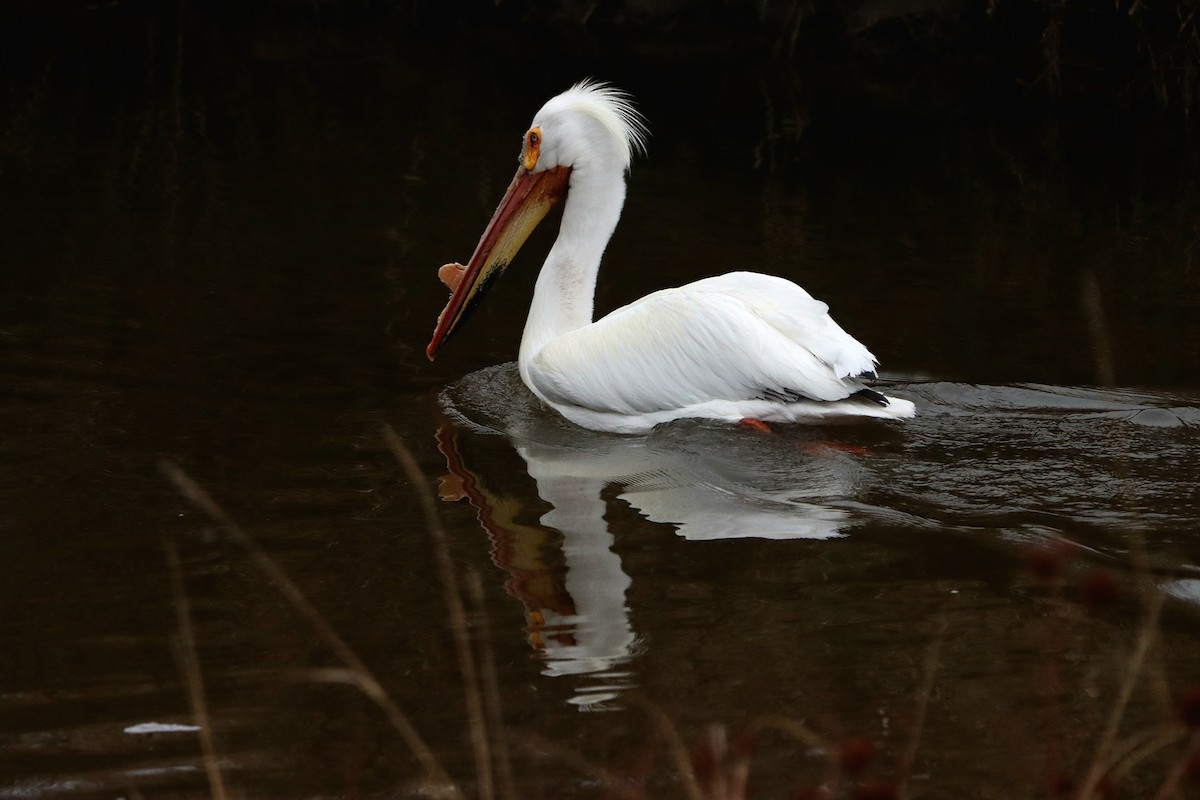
(564, 296)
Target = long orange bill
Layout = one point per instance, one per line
(529, 198)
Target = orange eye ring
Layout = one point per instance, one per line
(532, 149)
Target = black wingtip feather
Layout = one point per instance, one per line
(872, 395)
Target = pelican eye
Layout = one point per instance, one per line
(533, 147)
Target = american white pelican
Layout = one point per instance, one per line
(734, 347)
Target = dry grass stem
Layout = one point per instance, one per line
(728, 777)
(363, 677)
(191, 673)
(795, 729)
(1180, 767)
(1146, 635)
(932, 663)
(1152, 599)
(1138, 748)
(1098, 329)
(341, 675)
(473, 695)
(542, 746)
(679, 752)
(491, 689)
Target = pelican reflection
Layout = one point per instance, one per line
(705, 481)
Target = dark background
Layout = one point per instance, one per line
(1004, 57)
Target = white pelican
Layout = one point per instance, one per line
(741, 346)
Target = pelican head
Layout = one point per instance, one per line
(589, 132)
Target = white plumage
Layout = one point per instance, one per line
(741, 345)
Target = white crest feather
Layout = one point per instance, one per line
(613, 109)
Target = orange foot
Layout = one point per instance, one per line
(451, 275)
(754, 424)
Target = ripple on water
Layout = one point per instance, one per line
(976, 456)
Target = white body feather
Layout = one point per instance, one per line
(730, 347)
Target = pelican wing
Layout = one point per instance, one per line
(739, 336)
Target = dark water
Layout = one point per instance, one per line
(241, 278)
